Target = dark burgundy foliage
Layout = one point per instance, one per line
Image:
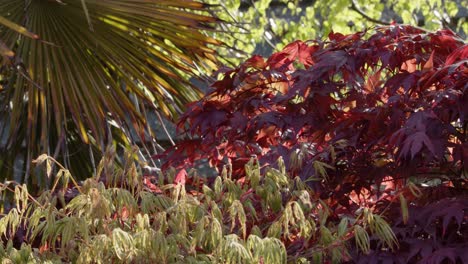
(380, 108)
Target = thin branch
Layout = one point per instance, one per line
(23, 72)
(88, 18)
(57, 151)
(355, 7)
(65, 169)
(164, 128)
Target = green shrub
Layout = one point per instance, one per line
(120, 216)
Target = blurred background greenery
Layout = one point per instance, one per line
(263, 26)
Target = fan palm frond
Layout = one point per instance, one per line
(76, 65)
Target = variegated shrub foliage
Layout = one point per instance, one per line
(120, 216)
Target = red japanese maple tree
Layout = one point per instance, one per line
(357, 117)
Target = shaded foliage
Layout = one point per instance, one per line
(360, 118)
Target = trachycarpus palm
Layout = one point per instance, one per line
(70, 68)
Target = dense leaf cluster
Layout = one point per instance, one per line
(360, 118)
(119, 216)
(350, 150)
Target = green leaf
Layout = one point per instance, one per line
(342, 226)
(17, 28)
(362, 239)
(237, 213)
(122, 243)
(320, 169)
(404, 208)
(233, 251)
(382, 229)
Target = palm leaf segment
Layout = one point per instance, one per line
(92, 58)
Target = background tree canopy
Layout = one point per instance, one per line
(268, 25)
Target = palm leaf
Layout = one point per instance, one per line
(91, 59)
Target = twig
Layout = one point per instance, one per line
(363, 14)
(71, 177)
(164, 127)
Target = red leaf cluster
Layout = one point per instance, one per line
(393, 103)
